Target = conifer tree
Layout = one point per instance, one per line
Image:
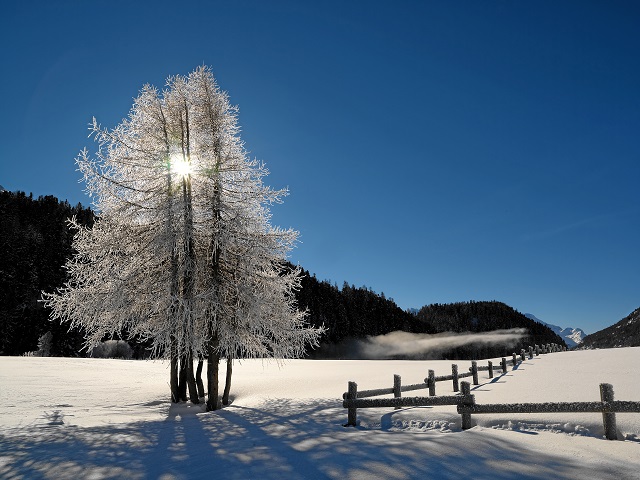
(182, 251)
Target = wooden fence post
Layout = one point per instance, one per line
(352, 394)
(522, 354)
(503, 364)
(474, 372)
(467, 399)
(397, 384)
(490, 369)
(530, 352)
(431, 380)
(608, 417)
(515, 360)
(454, 377)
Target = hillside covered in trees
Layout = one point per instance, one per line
(480, 317)
(625, 333)
(36, 242)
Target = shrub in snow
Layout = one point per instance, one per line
(113, 349)
(44, 345)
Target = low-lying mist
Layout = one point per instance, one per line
(406, 345)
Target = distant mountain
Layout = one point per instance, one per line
(572, 336)
(625, 333)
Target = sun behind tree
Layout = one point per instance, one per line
(182, 252)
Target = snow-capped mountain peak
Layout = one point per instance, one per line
(572, 336)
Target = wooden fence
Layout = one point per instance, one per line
(607, 406)
(465, 401)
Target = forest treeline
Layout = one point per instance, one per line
(35, 242)
(358, 312)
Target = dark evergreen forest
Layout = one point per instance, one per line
(35, 242)
(485, 317)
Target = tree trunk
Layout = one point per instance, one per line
(213, 355)
(199, 383)
(227, 383)
(213, 363)
(173, 348)
(191, 381)
(182, 381)
(173, 380)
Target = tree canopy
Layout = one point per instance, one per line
(182, 252)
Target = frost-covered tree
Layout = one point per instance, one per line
(182, 252)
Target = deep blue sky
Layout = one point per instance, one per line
(434, 151)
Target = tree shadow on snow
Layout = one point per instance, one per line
(294, 439)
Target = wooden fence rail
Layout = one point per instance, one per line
(607, 406)
(466, 406)
(465, 401)
(352, 400)
(432, 379)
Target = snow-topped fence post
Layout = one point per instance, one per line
(514, 359)
(530, 352)
(474, 372)
(397, 387)
(431, 381)
(522, 354)
(503, 365)
(490, 365)
(352, 394)
(454, 377)
(608, 417)
(537, 350)
(467, 401)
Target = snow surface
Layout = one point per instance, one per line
(94, 418)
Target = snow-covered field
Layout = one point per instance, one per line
(92, 418)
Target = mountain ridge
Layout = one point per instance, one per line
(572, 336)
(625, 333)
